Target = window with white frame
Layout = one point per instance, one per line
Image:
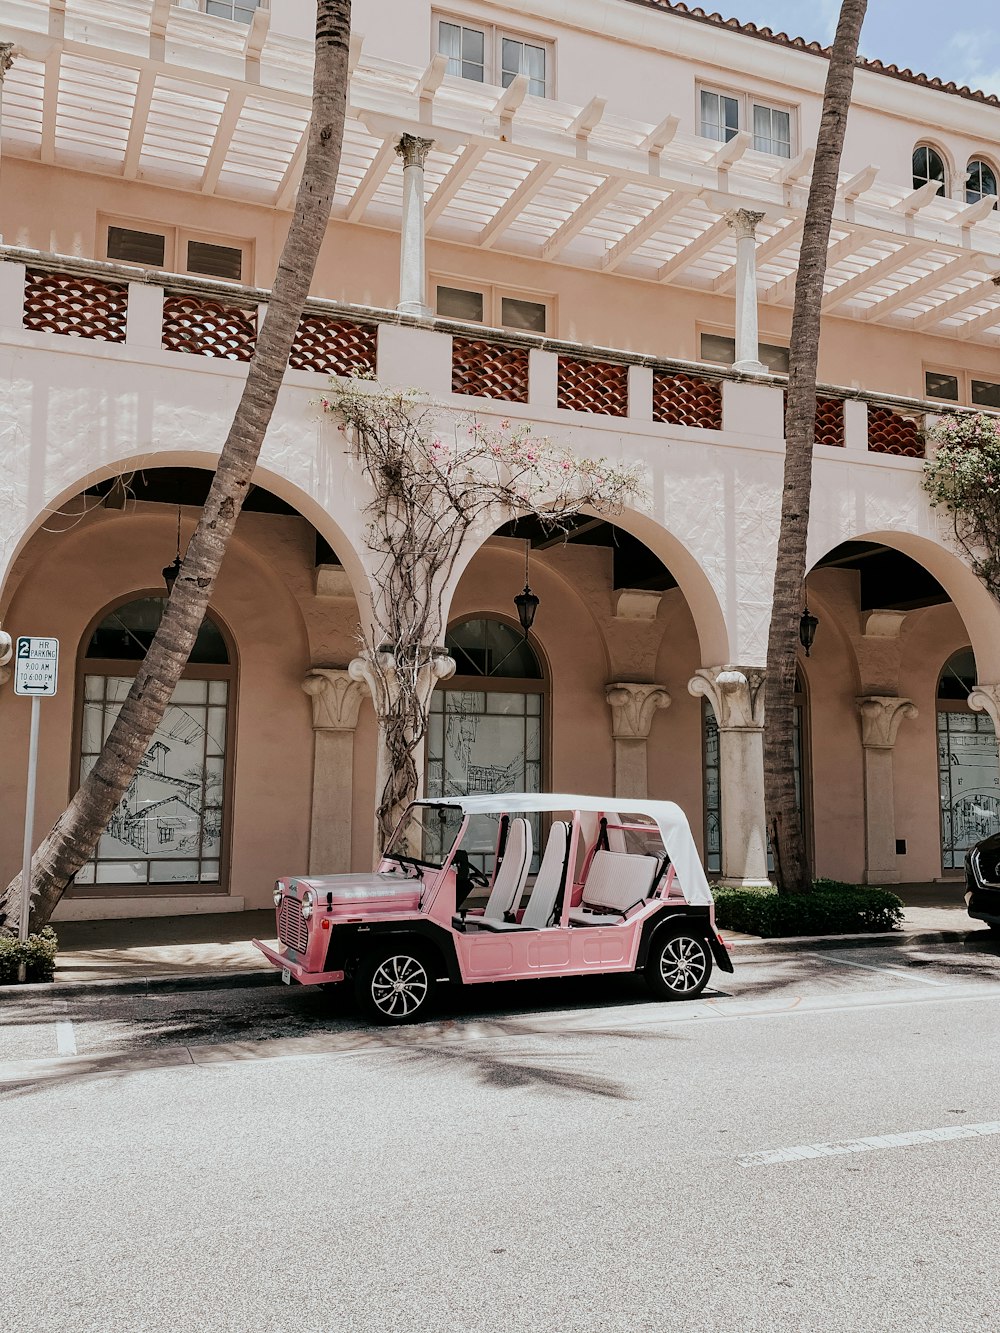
(721, 116)
(177, 250)
(928, 165)
(962, 386)
(487, 54)
(980, 181)
(485, 304)
(241, 11)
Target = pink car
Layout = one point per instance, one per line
(461, 896)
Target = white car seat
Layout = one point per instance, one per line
(509, 881)
(550, 877)
(616, 881)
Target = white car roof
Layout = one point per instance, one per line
(668, 817)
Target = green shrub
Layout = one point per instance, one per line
(830, 908)
(38, 953)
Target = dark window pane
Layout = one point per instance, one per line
(941, 386)
(215, 261)
(492, 648)
(980, 181)
(516, 314)
(125, 634)
(928, 165)
(454, 303)
(774, 357)
(958, 679)
(136, 247)
(985, 394)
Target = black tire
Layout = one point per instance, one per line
(395, 984)
(679, 965)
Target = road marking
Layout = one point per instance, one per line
(839, 1149)
(65, 1037)
(886, 971)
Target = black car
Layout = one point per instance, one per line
(982, 882)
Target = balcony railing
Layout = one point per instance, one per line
(115, 303)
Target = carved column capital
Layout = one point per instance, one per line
(378, 671)
(632, 708)
(744, 222)
(736, 694)
(336, 699)
(986, 699)
(413, 150)
(881, 716)
(6, 58)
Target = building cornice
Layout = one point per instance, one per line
(765, 34)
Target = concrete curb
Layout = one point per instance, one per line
(762, 948)
(209, 981)
(175, 981)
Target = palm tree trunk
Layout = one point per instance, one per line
(75, 833)
(791, 862)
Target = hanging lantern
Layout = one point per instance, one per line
(807, 629)
(526, 601)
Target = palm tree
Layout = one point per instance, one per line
(75, 833)
(791, 862)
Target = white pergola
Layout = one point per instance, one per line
(146, 90)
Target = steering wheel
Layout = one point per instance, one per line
(464, 869)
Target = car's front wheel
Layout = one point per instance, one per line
(679, 966)
(394, 985)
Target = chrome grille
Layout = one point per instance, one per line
(292, 930)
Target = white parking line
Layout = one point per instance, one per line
(839, 1149)
(65, 1037)
(887, 971)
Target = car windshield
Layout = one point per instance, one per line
(425, 834)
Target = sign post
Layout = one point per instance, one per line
(36, 674)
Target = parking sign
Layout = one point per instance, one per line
(36, 666)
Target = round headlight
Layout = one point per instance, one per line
(308, 902)
(279, 893)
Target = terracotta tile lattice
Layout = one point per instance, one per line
(334, 346)
(203, 327)
(891, 433)
(593, 386)
(81, 307)
(686, 400)
(489, 370)
(830, 421)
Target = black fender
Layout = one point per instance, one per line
(349, 943)
(691, 917)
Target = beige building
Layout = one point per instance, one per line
(585, 217)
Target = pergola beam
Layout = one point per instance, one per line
(536, 179)
(774, 245)
(779, 292)
(981, 323)
(597, 201)
(694, 250)
(377, 171)
(222, 142)
(930, 282)
(648, 227)
(882, 268)
(453, 181)
(955, 304)
(858, 184)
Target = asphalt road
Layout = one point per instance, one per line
(565, 1156)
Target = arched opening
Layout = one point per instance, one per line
(980, 181)
(170, 831)
(968, 763)
(928, 165)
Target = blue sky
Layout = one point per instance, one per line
(959, 41)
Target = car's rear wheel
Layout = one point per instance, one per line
(679, 966)
(394, 985)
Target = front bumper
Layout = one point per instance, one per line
(299, 971)
(983, 904)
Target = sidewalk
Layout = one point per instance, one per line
(202, 952)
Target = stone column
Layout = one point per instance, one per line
(379, 673)
(737, 698)
(881, 715)
(412, 269)
(336, 700)
(744, 223)
(632, 708)
(6, 60)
